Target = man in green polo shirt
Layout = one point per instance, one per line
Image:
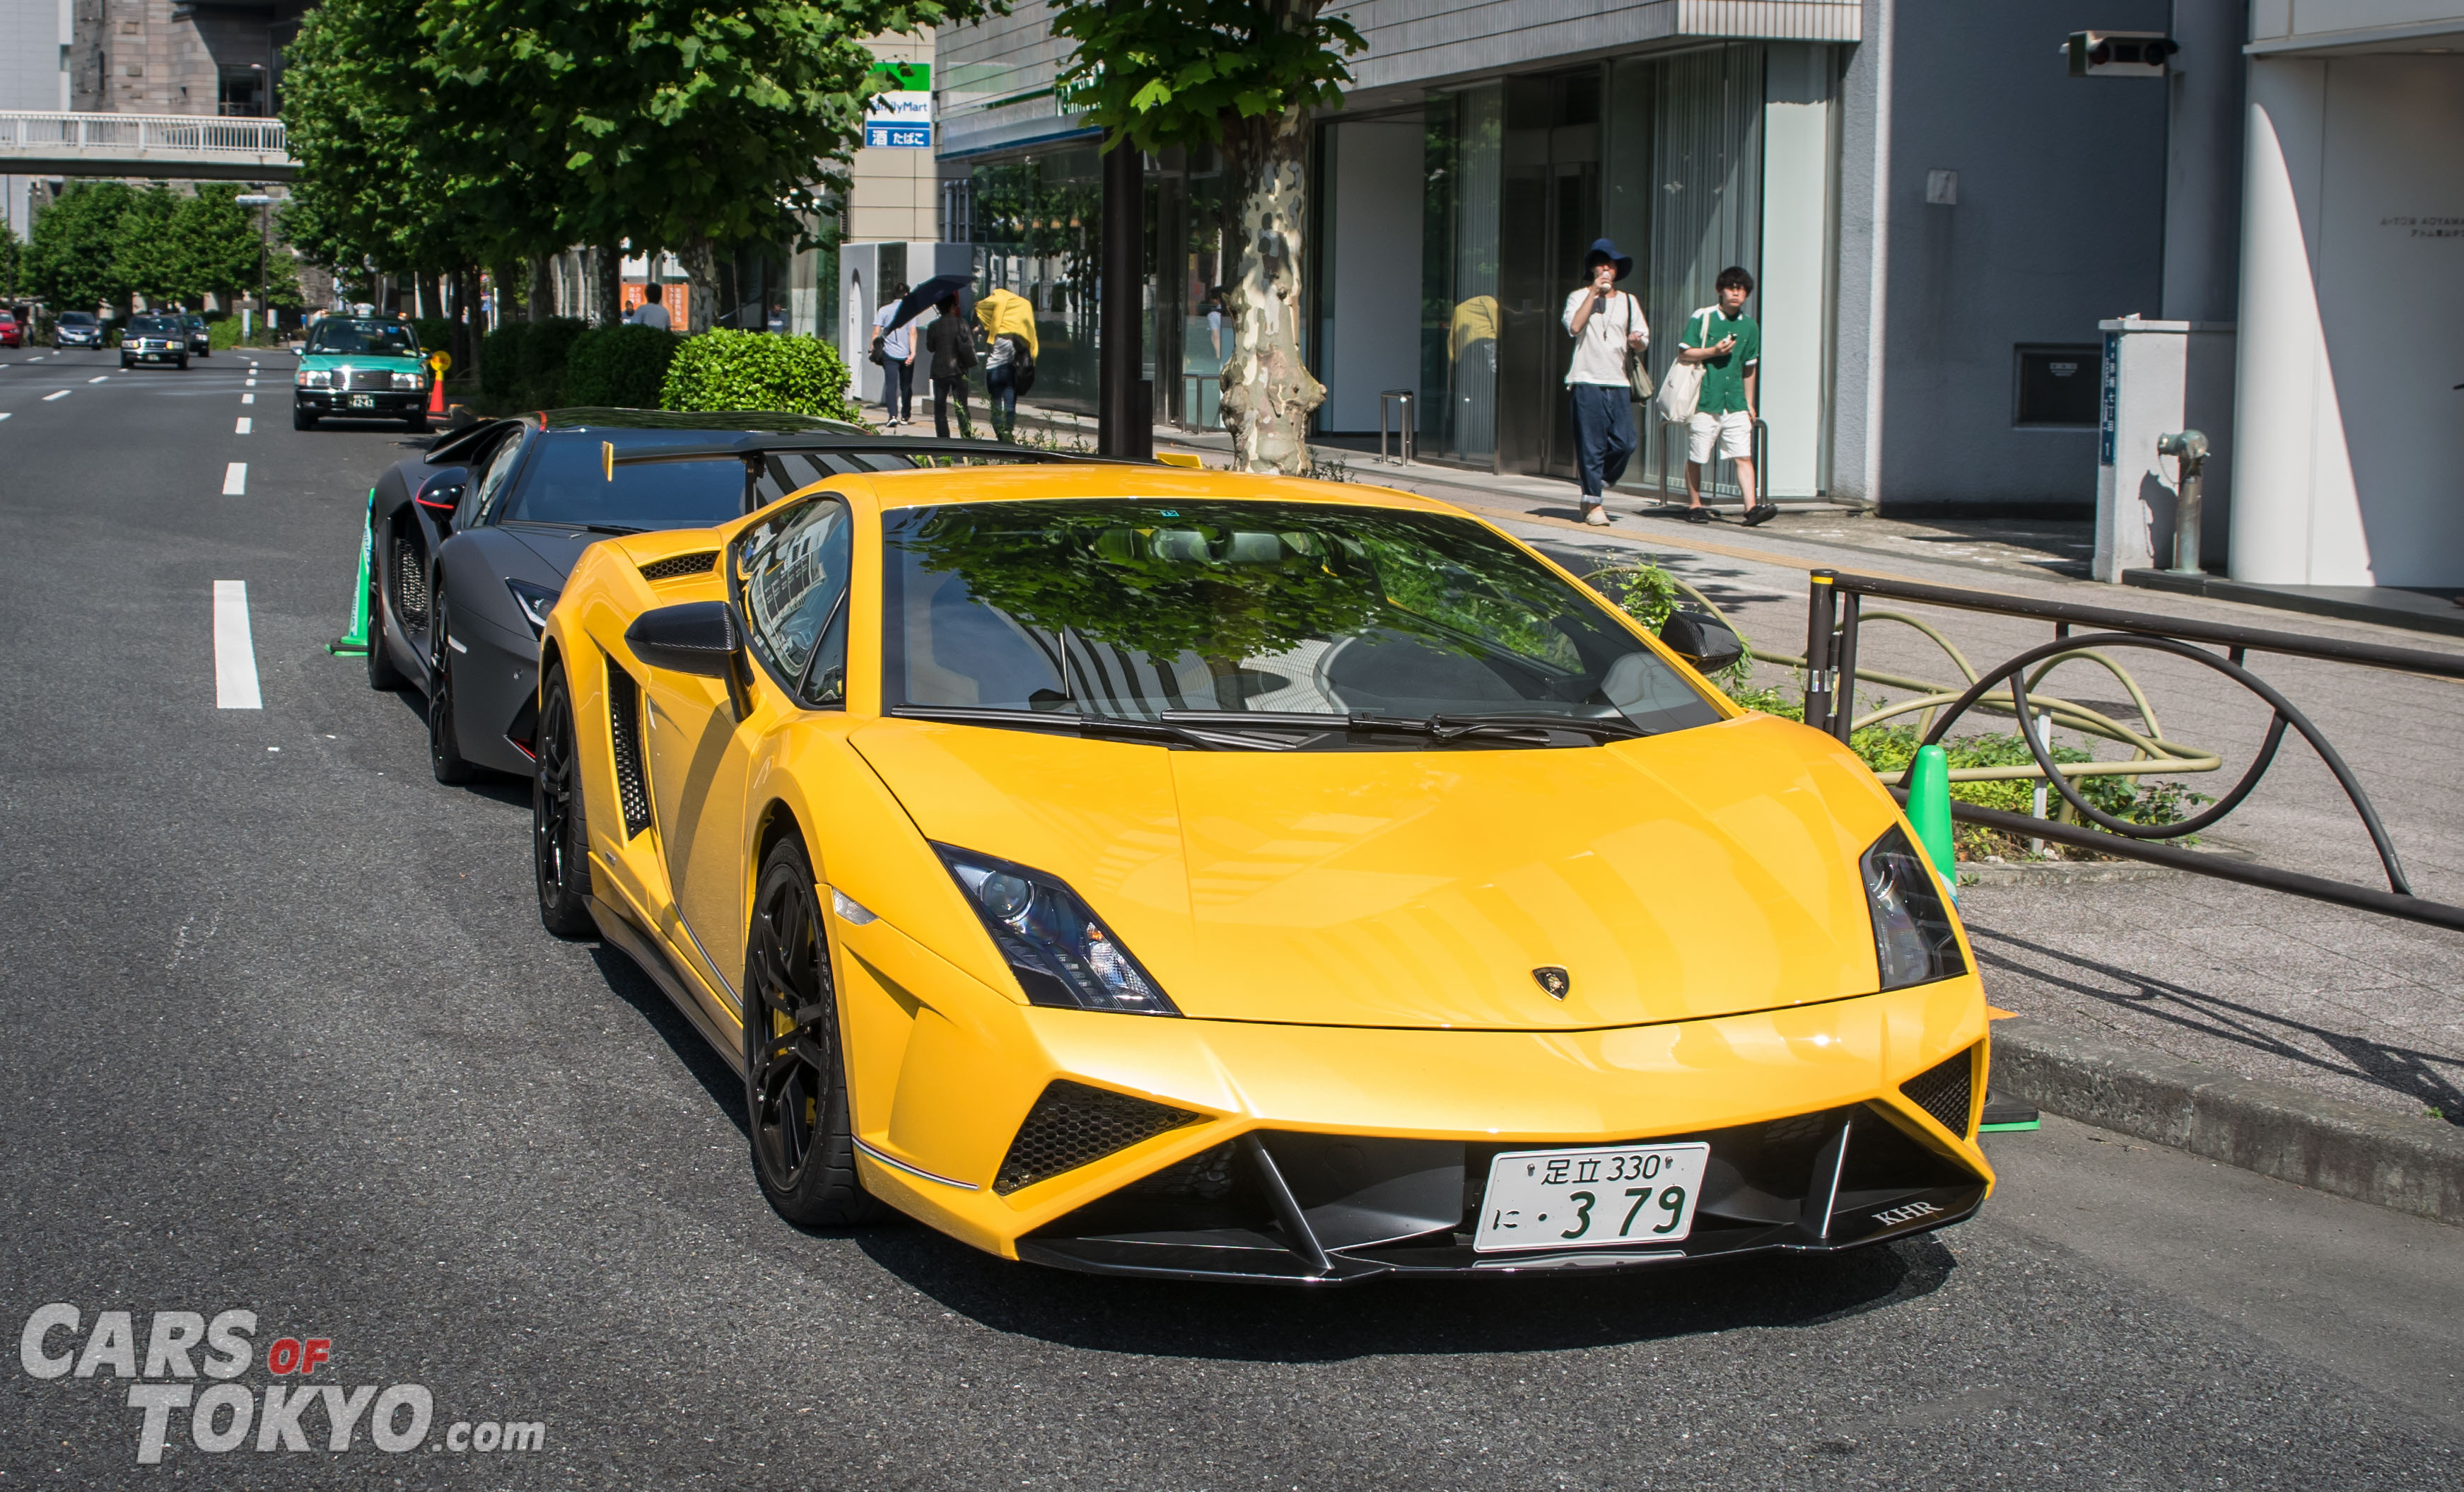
(1729, 346)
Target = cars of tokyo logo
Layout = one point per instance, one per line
(186, 1364)
(1906, 1213)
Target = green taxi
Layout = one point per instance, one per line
(361, 367)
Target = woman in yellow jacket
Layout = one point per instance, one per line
(1009, 360)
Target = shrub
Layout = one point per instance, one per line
(543, 352)
(723, 369)
(435, 333)
(619, 367)
(500, 362)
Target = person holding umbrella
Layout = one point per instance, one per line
(953, 349)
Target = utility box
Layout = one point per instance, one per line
(865, 271)
(2161, 378)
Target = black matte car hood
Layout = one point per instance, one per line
(558, 546)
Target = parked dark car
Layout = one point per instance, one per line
(77, 329)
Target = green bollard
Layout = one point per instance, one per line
(1930, 808)
(355, 640)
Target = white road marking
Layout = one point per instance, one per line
(62, 394)
(251, 383)
(99, 378)
(234, 649)
(248, 398)
(236, 479)
(4, 414)
(242, 428)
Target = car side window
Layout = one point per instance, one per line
(791, 576)
(500, 466)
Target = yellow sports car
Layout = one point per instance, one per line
(1153, 871)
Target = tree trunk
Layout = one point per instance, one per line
(466, 320)
(606, 307)
(1268, 390)
(542, 304)
(701, 280)
(432, 298)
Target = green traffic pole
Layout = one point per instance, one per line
(355, 640)
(1930, 808)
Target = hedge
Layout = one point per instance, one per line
(619, 368)
(722, 369)
(540, 357)
(435, 333)
(500, 362)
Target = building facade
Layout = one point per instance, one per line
(1937, 216)
(35, 41)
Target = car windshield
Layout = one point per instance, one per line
(570, 480)
(77, 319)
(1133, 608)
(391, 339)
(151, 325)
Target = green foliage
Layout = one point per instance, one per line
(545, 349)
(1173, 72)
(215, 243)
(500, 362)
(433, 332)
(619, 367)
(1648, 594)
(71, 263)
(722, 369)
(1891, 748)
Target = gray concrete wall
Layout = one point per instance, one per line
(2059, 224)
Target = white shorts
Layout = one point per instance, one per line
(1734, 430)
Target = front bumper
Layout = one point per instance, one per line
(374, 403)
(153, 354)
(1329, 1154)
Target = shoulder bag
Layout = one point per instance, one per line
(1637, 359)
(1682, 387)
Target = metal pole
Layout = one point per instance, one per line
(1843, 668)
(1119, 352)
(1822, 606)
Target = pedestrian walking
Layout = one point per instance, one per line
(1729, 347)
(895, 351)
(953, 349)
(1608, 329)
(1009, 360)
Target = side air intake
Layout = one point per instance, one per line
(624, 729)
(1072, 1124)
(675, 567)
(1942, 1091)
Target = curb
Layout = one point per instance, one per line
(2409, 1165)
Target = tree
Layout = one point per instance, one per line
(1243, 76)
(73, 262)
(216, 243)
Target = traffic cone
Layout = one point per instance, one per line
(1929, 809)
(435, 391)
(355, 640)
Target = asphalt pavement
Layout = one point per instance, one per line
(280, 1035)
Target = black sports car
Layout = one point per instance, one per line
(470, 544)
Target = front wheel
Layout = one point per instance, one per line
(302, 419)
(445, 757)
(560, 834)
(382, 673)
(416, 423)
(184, 362)
(795, 1073)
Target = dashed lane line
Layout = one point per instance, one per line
(248, 398)
(61, 394)
(242, 427)
(234, 649)
(236, 479)
(99, 378)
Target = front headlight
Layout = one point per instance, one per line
(319, 378)
(1913, 940)
(1061, 952)
(536, 602)
(408, 380)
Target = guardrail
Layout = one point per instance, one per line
(1834, 616)
(166, 132)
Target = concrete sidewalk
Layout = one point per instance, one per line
(2358, 1009)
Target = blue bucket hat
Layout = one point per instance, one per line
(1604, 251)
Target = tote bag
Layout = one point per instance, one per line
(1683, 388)
(1637, 360)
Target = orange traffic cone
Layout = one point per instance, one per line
(436, 390)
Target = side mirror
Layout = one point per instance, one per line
(697, 637)
(440, 494)
(1702, 640)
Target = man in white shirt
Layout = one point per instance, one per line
(1606, 324)
(649, 313)
(897, 357)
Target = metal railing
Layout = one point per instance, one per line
(1388, 403)
(1836, 613)
(170, 132)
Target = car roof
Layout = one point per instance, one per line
(937, 485)
(769, 422)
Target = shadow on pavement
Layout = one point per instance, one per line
(1278, 1323)
(626, 979)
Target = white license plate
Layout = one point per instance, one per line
(1590, 1197)
(364, 401)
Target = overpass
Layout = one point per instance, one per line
(170, 146)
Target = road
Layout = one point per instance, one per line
(282, 1035)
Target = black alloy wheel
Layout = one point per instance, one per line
(445, 757)
(795, 1074)
(382, 673)
(559, 833)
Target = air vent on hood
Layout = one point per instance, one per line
(675, 567)
(1942, 1090)
(625, 730)
(1072, 1124)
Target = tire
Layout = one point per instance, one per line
(795, 1074)
(125, 365)
(382, 673)
(184, 362)
(445, 757)
(417, 423)
(559, 833)
(302, 419)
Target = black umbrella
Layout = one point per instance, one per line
(928, 295)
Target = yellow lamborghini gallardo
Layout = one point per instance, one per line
(1152, 871)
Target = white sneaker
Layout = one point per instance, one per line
(1597, 514)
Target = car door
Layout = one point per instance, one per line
(788, 584)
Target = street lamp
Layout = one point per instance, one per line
(265, 231)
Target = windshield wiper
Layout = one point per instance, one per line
(618, 528)
(1089, 724)
(1446, 728)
